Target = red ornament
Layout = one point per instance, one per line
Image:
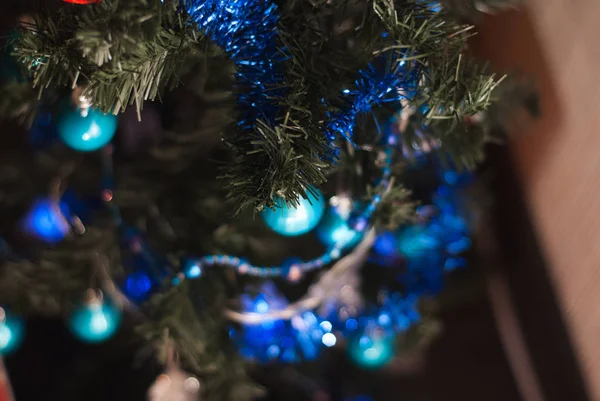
(83, 1)
(5, 390)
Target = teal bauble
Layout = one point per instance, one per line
(95, 321)
(371, 349)
(334, 230)
(291, 221)
(85, 130)
(12, 331)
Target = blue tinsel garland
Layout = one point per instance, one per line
(247, 31)
(374, 87)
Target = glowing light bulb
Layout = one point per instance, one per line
(95, 321)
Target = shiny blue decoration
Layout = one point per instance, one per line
(95, 321)
(373, 88)
(12, 332)
(296, 220)
(334, 231)
(137, 286)
(46, 221)
(247, 31)
(87, 130)
(371, 349)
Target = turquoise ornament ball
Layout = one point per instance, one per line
(334, 231)
(86, 130)
(292, 221)
(12, 331)
(95, 321)
(371, 349)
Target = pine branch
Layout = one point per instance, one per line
(450, 87)
(126, 52)
(55, 279)
(284, 161)
(396, 209)
(192, 314)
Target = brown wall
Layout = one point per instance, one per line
(558, 157)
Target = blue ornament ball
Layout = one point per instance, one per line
(292, 221)
(334, 231)
(95, 321)
(46, 220)
(137, 286)
(372, 348)
(12, 331)
(86, 130)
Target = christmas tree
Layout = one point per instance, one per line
(247, 181)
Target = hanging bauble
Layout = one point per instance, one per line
(96, 320)
(372, 348)
(12, 331)
(46, 220)
(334, 230)
(174, 385)
(296, 220)
(85, 129)
(137, 286)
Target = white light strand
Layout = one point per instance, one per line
(328, 288)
